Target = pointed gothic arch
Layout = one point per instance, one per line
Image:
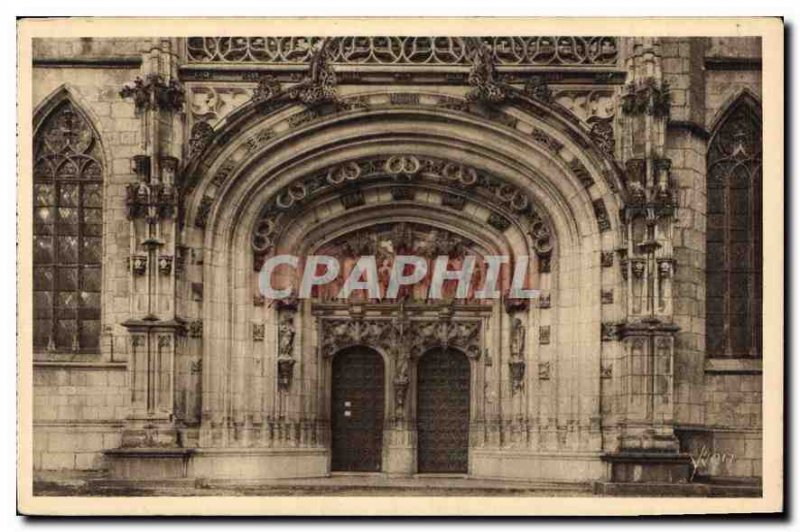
(733, 235)
(68, 175)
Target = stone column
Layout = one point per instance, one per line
(647, 449)
(156, 333)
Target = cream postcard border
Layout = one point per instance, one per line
(771, 32)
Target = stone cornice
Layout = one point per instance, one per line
(88, 62)
(732, 63)
(751, 366)
(145, 325)
(692, 127)
(646, 327)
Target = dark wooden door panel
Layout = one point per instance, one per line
(443, 412)
(357, 411)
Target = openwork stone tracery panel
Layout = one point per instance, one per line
(68, 224)
(401, 336)
(512, 50)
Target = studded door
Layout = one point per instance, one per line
(357, 401)
(443, 412)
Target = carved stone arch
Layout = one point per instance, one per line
(207, 202)
(248, 116)
(508, 206)
(238, 200)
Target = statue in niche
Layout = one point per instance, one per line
(517, 338)
(286, 334)
(517, 363)
(385, 262)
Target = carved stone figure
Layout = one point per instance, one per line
(482, 77)
(286, 334)
(517, 362)
(517, 338)
(536, 87)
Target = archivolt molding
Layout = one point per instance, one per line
(407, 172)
(549, 125)
(549, 143)
(307, 234)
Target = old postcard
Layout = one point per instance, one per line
(289, 267)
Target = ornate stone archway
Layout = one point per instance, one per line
(510, 171)
(512, 196)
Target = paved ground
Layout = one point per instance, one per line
(97, 485)
(355, 485)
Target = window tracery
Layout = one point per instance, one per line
(733, 237)
(67, 228)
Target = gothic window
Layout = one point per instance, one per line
(733, 238)
(67, 233)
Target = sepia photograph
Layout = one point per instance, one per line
(342, 259)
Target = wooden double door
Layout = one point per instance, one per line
(442, 411)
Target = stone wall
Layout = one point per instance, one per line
(80, 400)
(717, 405)
(77, 412)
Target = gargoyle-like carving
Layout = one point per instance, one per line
(201, 137)
(318, 87)
(607, 296)
(647, 96)
(602, 133)
(268, 88)
(485, 88)
(154, 92)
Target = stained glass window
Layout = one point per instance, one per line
(733, 238)
(67, 233)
